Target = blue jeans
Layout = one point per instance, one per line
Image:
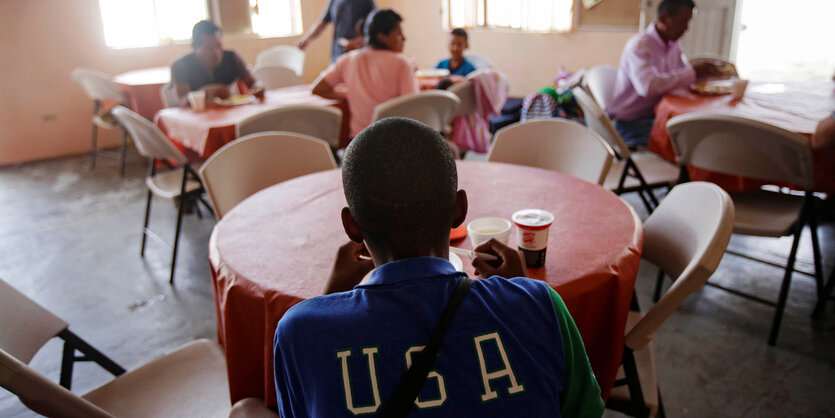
(635, 131)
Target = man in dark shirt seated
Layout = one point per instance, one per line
(210, 67)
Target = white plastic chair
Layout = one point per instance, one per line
(282, 56)
(276, 77)
(554, 144)
(744, 147)
(478, 61)
(168, 93)
(434, 108)
(600, 81)
(639, 172)
(255, 162)
(99, 87)
(465, 91)
(323, 122)
(181, 183)
(191, 381)
(685, 237)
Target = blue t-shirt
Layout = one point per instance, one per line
(512, 348)
(465, 68)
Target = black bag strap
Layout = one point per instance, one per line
(408, 388)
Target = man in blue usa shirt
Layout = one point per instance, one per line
(511, 350)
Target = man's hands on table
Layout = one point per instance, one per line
(509, 264)
(348, 268)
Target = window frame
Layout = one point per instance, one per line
(482, 5)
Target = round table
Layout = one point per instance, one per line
(142, 89)
(277, 247)
(795, 106)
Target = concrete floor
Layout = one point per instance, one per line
(70, 240)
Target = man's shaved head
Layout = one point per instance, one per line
(400, 181)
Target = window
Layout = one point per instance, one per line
(137, 23)
(273, 18)
(526, 15)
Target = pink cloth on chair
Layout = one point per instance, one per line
(471, 132)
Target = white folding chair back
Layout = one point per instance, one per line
(25, 326)
(282, 56)
(42, 395)
(685, 237)
(434, 108)
(97, 85)
(323, 122)
(465, 91)
(254, 162)
(168, 93)
(743, 147)
(190, 381)
(599, 122)
(478, 61)
(600, 81)
(554, 144)
(149, 140)
(276, 77)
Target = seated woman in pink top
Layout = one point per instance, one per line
(373, 74)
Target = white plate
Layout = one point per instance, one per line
(236, 100)
(431, 72)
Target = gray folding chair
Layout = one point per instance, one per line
(180, 183)
(744, 147)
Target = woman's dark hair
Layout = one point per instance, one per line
(380, 21)
(203, 27)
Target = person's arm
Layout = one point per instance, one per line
(352, 263)
(824, 136)
(254, 86)
(408, 80)
(325, 84)
(647, 81)
(316, 29)
(509, 263)
(180, 81)
(581, 393)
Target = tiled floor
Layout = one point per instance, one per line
(70, 240)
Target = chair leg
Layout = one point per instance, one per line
(659, 283)
(784, 288)
(824, 297)
(122, 151)
(145, 224)
(636, 395)
(660, 413)
(93, 146)
(633, 305)
(72, 343)
(816, 250)
(180, 207)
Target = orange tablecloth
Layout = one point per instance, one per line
(276, 249)
(142, 89)
(797, 107)
(205, 132)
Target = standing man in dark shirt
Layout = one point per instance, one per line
(210, 67)
(346, 16)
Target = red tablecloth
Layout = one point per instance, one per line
(276, 249)
(797, 107)
(142, 89)
(205, 132)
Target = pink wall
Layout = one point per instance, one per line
(43, 114)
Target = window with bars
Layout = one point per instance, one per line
(524, 15)
(140, 23)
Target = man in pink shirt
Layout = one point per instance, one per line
(373, 74)
(651, 66)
